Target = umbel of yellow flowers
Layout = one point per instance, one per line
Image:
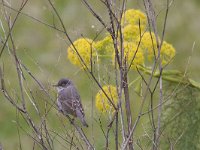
(102, 102)
(84, 48)
(131, 34)
(139, 45)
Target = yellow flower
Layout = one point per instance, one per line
(131, 33)
(130, 50)
(102, 102)
(167, 53)
(133, 55)
(84, 47)
(149, 44)
(105, 46)
(133, 16)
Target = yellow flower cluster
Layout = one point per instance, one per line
(149, 44)
(105, 46)
(131, 33)
(102, 102)
(132, 52)
(167, 53)
(131, 36)
(84, 47)
(132, 30)
(133, 55)
(133, 17)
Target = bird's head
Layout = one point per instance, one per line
(63, 83)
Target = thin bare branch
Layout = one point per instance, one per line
(13, 24)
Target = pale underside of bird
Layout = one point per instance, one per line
(69, 101)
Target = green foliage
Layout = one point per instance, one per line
(181, 118)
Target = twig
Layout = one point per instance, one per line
(13, 24)
(95, 14)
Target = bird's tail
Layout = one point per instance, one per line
(84, 122)
(80, 115)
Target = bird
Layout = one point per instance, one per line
(69, 101)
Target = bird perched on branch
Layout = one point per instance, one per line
(69, 101)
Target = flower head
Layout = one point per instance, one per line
(102, 102)
(83, 47)
(133, 54)
(148, 44)
(131, 33)
(167, 53)
(133, 17)
(105, 46)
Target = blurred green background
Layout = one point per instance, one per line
(43, 50)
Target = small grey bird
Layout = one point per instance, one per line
(69, 101)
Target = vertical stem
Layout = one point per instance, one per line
(116, 132)
(159, 109)
(127, 104)
(152, 18)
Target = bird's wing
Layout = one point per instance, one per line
(70, 100)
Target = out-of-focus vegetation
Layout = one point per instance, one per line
(43, 50)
